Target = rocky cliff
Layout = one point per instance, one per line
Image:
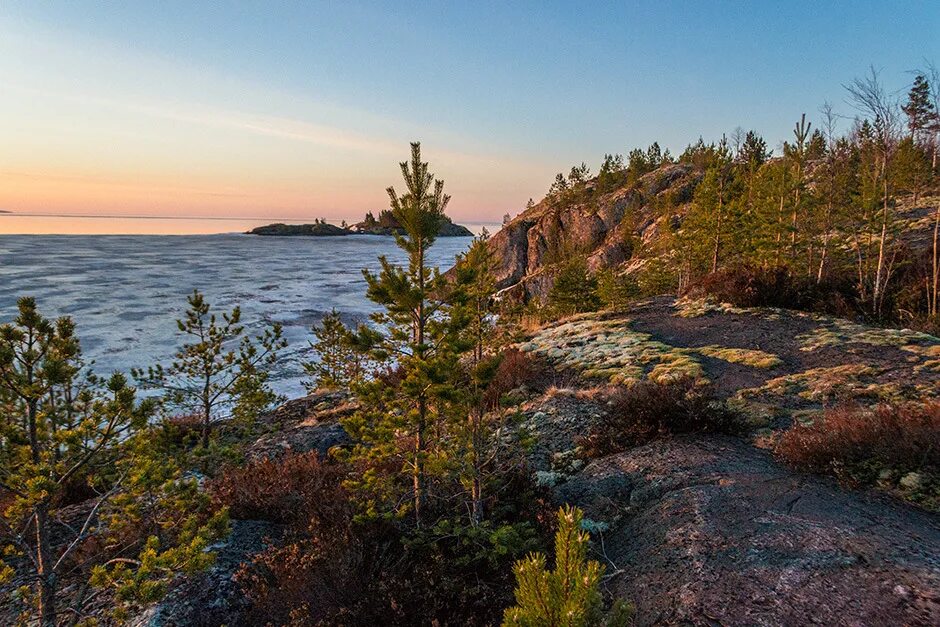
(607, 227)
(621, 228)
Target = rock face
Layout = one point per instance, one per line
(305, 424)
(606, 228)
(711, 531)
(213, 597)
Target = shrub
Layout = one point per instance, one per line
(865, 446)
(569, 594)
(181, 431)
(293, 488)
(518, 369)
(334, 566)
(648, 409)
(750, 286)
(616, 290)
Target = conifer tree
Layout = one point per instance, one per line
(337, 365)
(797, 157)
(66, 430)
(474, 294)
(415, 336)
(711, 208)
(568, 595)
(574, 289)
(869, 97)
(559, 186)
(219, 372)
(919, 109)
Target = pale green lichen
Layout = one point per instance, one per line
(823, 384)
(748, 357)
(611, 350)
(836, 332)
(697, 307)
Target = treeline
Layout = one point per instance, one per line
(832, 210)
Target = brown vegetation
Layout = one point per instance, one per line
(896, 445)
(648, 410)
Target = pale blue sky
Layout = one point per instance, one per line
(304, 108)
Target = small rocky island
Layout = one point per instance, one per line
(386, 224)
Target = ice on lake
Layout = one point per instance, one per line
(126, 291)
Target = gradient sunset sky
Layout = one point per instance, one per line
(302, 110)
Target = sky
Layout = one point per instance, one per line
(284, 110)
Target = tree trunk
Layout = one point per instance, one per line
(878, 293)
(935, 309)
(44, 571)
(476, 488)
(206, 411)
(418, 476)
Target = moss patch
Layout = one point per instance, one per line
(752, 358)
(611, 350)
(697, 307)
(821, 385)
(836, 332)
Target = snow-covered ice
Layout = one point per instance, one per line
(126, 291)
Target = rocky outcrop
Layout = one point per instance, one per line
(709, 530)
(447, 229)
(323, 229)
(213, 597)
(604, 227)
(320, 229)
(305, 424)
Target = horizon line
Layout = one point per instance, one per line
(146, 217)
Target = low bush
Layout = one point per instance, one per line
(519, 370)
(294, 487)
(892, 445)
(750, 286)
(335, 566)
(181, 431)
(648, 410)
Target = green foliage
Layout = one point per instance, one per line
(68, 436)
(919, 109)
(568, 595)
(219, 372)
(616, 290)
(574, 289)
(337, 365)
(420, 339)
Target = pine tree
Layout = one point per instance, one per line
(797, 155)
(611, 173)
(417, 340)
(337, 365)
(574, 289)
(65, 428)
(568, 595)
(559, 186)
(710, 215)
(475, 286)
(212, 378)
(919, 109)
(870, 99)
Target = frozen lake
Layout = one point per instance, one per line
(126, 291)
